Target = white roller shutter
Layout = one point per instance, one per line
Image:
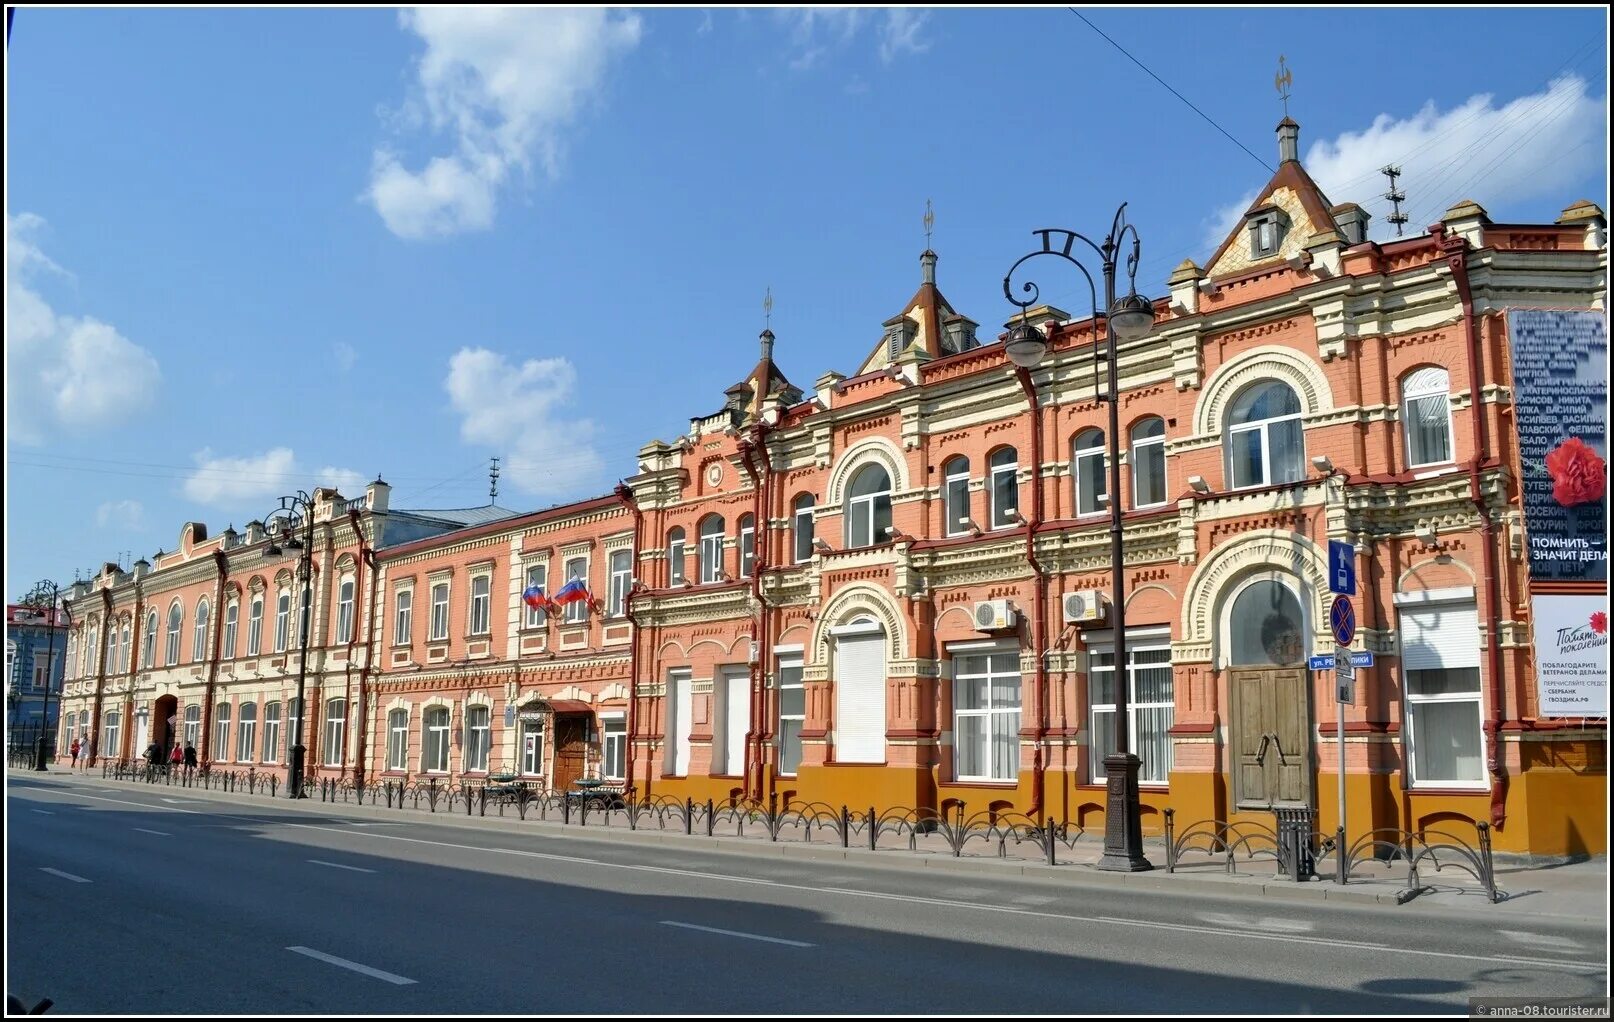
(860, 698)
(737, 718)
(1441, 635)
(682, 713)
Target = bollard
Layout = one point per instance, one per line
(1049, 825)
(873, 837)
(709, 821)
(846, 827)
(1171, 843)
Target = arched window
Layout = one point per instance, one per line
(255, 626)
(271, 733)
(246, 741)
(171, 648)
(1005, 486)
(398, 740)
(112, 649)
(956, 496)
(282, 620)
(199, 640)
(72, 658)
(1426, 415)
(748, 545)
(123, 660)
(335, 723)
(221, 731)
(193, 724)
(91, 650)
(232, 617)
(1087, 464)
(344, 611)
(675, 557)
(1266, 625)
(477, 720)
(147, 655)
(801, 520)
(109, 737)
(1149, 463)
(434, 740)
(711, 536)
(868, 507)
(1264, 444)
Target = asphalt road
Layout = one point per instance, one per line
(127, 899)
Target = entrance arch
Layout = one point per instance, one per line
(166, 712)
(1265, 630)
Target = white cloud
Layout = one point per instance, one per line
(515, 409)
(125, 514)
(345, 355)
(504, 82)
(814, 31)
(223, 480)
(1533, 146)
(63, 372)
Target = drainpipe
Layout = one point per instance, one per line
(753, 735)
(222, 564)
(357, 714)
(1455, 249)
(625, 495)
(100, 674)
(1040, 594)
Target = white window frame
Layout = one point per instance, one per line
(334, 734)
(193, 724)
(255, 625)
(246, 732)
(111, 723)
(1001, 516)
(111, 652)
(344, 610)
(537, 575)
(748, 545)
(433, 734)
(786, 662)
(1418, 386)
(403, 616)
(398, 739)
(960, 654)
(956, 495)
(675, 556)
(204, 617)
(123, 659)
(1083, 461)
(438, 628)
(621, 564)
(282, 620)
(576, 612)
(1457, 599)
(232, 621)
(801, 517)
(221, 732)
(1139, 445)
(148, 657)
(176, 619)
(711, 548)
(530, 722)
(481, 605)
(478, 738)
(613, 747)
(1151, 640)
(1264, 426)
(679, 724)
(864, 509)
(294, 726)
(271, 732)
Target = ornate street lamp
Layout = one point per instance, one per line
(283, 522)
(1129, 318)
(45, 598)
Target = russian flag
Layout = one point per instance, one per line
(534, 597)
(571, 592)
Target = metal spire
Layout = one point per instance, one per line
(1284, 81)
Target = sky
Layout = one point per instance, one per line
(252, 251)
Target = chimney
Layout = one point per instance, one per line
(254, 531)
(1288, 141)
(927, 266)
(376, 495)
(142, 568)
(766, 338)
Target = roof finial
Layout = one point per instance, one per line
(1285, 79)
(930, 223)
(767, 309)
(493, 482)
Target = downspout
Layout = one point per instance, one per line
(222, 563)
(357, 714)
(1455, 249)
(1039, 628)
(766, 714)
(100, 674)
(625, 495)
(753, 750)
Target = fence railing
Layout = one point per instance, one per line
(22, 744)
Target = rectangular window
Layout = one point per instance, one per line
(404, 601)
(398, 740)
(1149, 472)
(245, 745)
(1005, 495)
(1429, 429)
(434, 758)
(537, 575)
(335, 725)
(1092, 488)
(986, 715)
(477, 738)
(1440, 655)
(792, 715)
(271, 733)
(621, 578)
(232, 615)
(439, 628)
(675, 561)
(804, 532)
(254, 628)
(481, 598)
(614, 765)
(577, 610)
(344, 612)
(711, 556)
(748, 551)
(221, 732)
(193, 725)
(294, 725)
(532, 743)
(282, 621)
(1150, 708)
(679, 712)
(956, 502)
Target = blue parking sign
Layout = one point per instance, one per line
(1341, 567)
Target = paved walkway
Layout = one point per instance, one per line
(1571, 891)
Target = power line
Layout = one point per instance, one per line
(1174, 92)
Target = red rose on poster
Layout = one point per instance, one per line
(1599, 622)
(1578, 474)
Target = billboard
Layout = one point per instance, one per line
(1560, 399)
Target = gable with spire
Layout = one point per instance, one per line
(928, 327)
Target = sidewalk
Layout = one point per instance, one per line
(1576, 891)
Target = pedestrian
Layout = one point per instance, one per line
(73, 750)
(175, 758)
(190, 758)
(86, 750)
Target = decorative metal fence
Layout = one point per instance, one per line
(22, 745)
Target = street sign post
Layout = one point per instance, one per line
(1343, 667)
(1342, 619)
(1341, 567)
(1321, 662)
(1345, 692)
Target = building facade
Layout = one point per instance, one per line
(891, 589)
(36, 645)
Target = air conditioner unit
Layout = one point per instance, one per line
(1085, 605)
(994, 615)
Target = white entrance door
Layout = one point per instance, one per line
(860, 694)
(736, 711)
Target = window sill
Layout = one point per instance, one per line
(1448, 788)
(964, 782)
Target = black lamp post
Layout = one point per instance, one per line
(1129, 318)
(296, 511)
(45, 598)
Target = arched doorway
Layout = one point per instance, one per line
(167, 716)
(1265, 642)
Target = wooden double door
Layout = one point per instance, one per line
(571, 737)
(1271, 741)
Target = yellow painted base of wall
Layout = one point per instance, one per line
(862, 787)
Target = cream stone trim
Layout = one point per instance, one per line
(1269, 361)
(858, 598)
(878, 449)
(1226, 566)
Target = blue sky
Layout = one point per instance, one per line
(255, 250)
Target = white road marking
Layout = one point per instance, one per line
(183, 801)
(1269, 924)
(1031, 899)
(1570, 964)
(159, 833)
(44, 812)
(389, 977)
(65, 876)
(1542, 940)
(338, 865)
(737, 933)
